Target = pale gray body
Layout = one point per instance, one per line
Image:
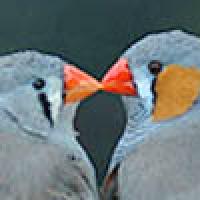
(37, 161)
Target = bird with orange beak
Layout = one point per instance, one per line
(40, 157)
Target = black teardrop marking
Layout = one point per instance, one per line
(46, 106)
(153, 89)
(155, 67)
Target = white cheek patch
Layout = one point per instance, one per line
(143, 80)
(55, 101)
(54, 93)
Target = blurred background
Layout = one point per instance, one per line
(92, 34)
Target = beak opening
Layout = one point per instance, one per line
(78, 85)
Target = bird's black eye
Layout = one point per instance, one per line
(39, 83)
(155, 67)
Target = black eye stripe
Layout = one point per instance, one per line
(39, 83)
(46, 106)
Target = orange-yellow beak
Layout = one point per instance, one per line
(119, 79)
(78, 85)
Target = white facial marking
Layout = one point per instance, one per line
(144, 79)
(54, 93)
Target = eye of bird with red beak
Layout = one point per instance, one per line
(155, 67)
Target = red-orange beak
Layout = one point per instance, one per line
(119, 79)
(78, 85)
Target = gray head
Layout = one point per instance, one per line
(31, 93)
(172, 47)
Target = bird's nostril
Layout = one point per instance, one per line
(155, 67)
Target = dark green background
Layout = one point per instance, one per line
(92, 33)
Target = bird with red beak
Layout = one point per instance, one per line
(159, 159)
